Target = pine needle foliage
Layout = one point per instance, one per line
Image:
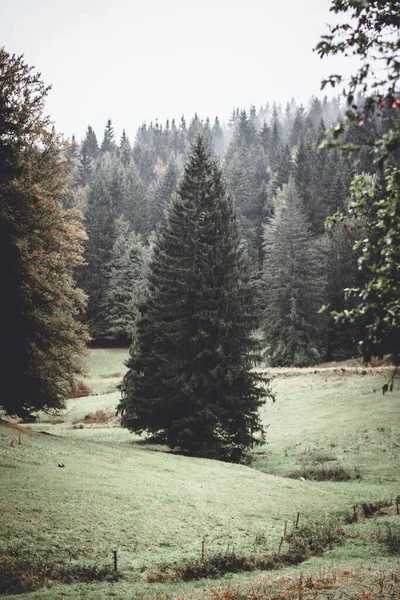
(189, 380)
(127, 282)
(294, 286)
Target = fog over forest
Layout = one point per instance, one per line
(283, 187)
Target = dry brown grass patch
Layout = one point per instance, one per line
(99, 416)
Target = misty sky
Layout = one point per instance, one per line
(135, 61)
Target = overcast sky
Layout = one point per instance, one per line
(135, 61)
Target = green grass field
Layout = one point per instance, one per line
(157, 509)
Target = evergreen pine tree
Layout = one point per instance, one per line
(310, 177)
(297, 127)
(71, 155)
(195, 129)
(189, 379)
(100, 216)
(144, 155)
(316, 112)
(218, 141)
(174, 138)
(108, 143)
(84, 173)
(125, 150)
(134, 199)
(115, 190)
(293, 283)
(265, 138)
(127, 282)
(90, 143)
(161, 196)
(288, 120)
(207, 134)
(182, 136)
(275, 140)
(89, 150)
(246, 173)
(284, 166)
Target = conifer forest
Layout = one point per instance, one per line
(212, 249)
(208, 248)
(283, 189)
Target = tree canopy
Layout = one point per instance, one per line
(370, 31)
(41, 242)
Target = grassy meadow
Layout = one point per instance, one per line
(160, 510)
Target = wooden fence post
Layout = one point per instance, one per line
(280, 546)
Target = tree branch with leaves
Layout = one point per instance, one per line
(371, 32)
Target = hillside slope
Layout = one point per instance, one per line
(116, 492)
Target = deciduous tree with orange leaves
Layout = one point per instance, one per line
(41, 242)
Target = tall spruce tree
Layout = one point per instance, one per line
(101, 211)
(160, 196)
(246, 174)
(218, 141)
(125, 150)
(89, 150)
(127, 282)
(134, 198)
(90, 144)
(189, 379)
(293, 283)
(108, 143)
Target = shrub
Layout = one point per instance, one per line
(221, 564)
(314, 538)
(392, 540)
(322, 473)
(99, 416)
(308, 540)
(367, 510)
(80, 390)
(21, 574)
(158, 575)
(218, 565)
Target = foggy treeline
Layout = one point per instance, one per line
(284, 189)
